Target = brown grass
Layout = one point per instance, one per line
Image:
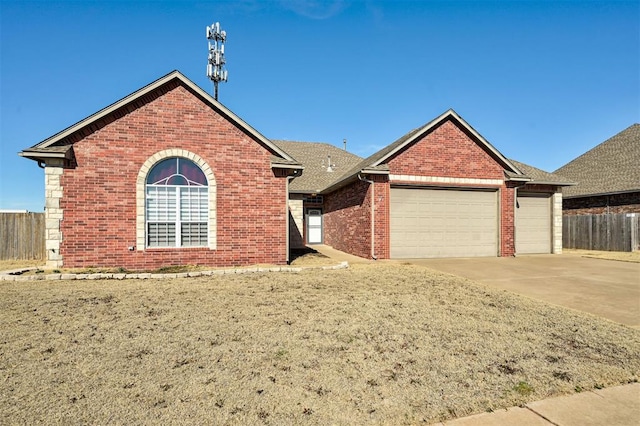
(386, 344)
(7, 265)
(608, 255)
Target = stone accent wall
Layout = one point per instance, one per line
(556, 217)
(296, 221)
(53, 213)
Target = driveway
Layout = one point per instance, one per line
(605, 288)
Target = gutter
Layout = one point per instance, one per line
(373, 223)
(515, 216)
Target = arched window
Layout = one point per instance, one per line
(176, 204)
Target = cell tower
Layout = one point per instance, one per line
(215, 68)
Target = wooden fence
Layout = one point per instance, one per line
(22, 236)
(611, 232)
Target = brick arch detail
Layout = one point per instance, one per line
(141, 191)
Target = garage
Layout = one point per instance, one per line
(533, 224)
(426, 223)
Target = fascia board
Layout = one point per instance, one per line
(37, 154)
(287, 166)
(554, 183)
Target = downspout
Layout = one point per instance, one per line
(373, 223)
(515, 216)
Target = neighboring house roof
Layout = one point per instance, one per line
(57, 146)
(609, 168)
(315, 158)
(541, 177)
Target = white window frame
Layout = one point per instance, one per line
(141, 194)
(172, 215)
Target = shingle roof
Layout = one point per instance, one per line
(612, 166)
(540, 176)
(314, 157)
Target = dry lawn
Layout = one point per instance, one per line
(633, 256)
(7, 265)
(372, 344)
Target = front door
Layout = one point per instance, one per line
(314, 226)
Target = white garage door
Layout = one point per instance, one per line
(443, 223)
(533, 224)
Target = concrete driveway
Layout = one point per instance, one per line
(605, 288)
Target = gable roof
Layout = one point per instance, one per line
(58, 145)
(376, 163)
(541, 177)
(384, 154)
(611, 167)
(314, 157)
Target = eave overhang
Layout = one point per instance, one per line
(62, 154)
(381, 171)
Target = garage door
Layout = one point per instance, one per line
(443, 223)
(533, 224)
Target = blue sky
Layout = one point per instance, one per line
(543, 81)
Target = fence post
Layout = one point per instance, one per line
(634, 225)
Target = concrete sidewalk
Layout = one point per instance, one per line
(338, 255)
(616, 406)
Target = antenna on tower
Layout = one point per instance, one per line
(215, 66)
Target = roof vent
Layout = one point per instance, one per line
(330, 167)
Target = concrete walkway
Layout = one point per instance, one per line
(602, 287)
(617, 406)
(338, 255)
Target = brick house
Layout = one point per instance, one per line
(441, 190)
(323, 165)
(164, 176)
(607, 176)
(168, 175)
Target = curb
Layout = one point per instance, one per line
(15, 275)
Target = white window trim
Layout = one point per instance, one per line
(141, 184)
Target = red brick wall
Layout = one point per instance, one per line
(99, 201)
(507, 223)
(447, 151)
(347, 219)
(383, 230)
